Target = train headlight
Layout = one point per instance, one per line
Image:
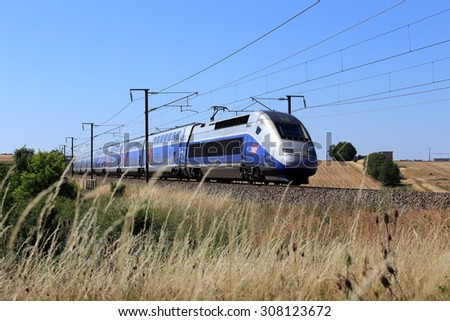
(288, 150)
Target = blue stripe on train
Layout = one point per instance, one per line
(173, 154)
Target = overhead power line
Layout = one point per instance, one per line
(242, 48)
(376, 61)
(355, 101)
(121, 110)
(342, 71)
(388, 74)
(273, 64)
(378, 109)
(339, 51)
(290, 56)
(236, 81)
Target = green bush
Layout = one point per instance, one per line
(33, 174)
(343, 151)
(6, 201)
(118, 190)
(43, 169)
(382, 169)
(51, 222)
(112, 218)
(68, 189)
(4, 168)
(22, 157)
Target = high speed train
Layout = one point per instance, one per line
(261, 146)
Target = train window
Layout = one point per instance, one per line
(170, 137)
(231, 122)
(176, 137)
(292, 131)
(258, 130)
(216, 148)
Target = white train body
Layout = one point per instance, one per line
(259, 146)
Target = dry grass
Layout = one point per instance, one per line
(426, 176)
(212, 247)
(419, 176)
(343, 175)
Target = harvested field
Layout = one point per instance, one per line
(6, 159)
(418, 176)
(426, 176)
(343, 175)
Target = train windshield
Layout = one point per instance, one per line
(292, 131)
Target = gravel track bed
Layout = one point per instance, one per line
(400, 199)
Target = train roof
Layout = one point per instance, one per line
(235, 120)
(276, 116)
(171, 129)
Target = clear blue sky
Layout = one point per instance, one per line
(376, 74)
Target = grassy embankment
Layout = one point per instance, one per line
(157, 243)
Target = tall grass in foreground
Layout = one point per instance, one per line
(159, 243)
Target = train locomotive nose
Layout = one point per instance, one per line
(300, 156)
(299, 161)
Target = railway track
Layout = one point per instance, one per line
(321, 196)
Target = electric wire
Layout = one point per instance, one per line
(354, 101)
(407, 52)
(240, 49)
(388, 73)
(339, 51)
(284, 59)
(331, 74)
(120, 111)
(273, 64)
(378, 109)
(307, 48)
